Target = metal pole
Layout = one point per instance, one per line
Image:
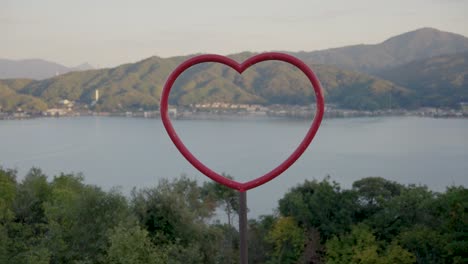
(243, 227)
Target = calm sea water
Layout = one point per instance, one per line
(130, 152)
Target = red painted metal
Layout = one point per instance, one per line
(269, 56)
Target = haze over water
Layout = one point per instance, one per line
(130, 152)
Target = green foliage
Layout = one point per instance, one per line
(32, 193)
(11, 101)
(360, 246)
(413, 205)
(66, 221)
(15, 84)
(133, 245)
(322, 205)
(171, 212)
(39, 256)
(322, 209)
(79, 218)
(223, 196)
(454, 206)
(221, 242)
(3, 244)
(438, 81)
(288, 240)
(373, 193)
(175, 214)
(391, 223)
(378, 221)
(7, 194)
(260, 248)
(428, 244)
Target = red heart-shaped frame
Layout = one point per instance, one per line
(241, 68)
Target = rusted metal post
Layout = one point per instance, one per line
(243, 227)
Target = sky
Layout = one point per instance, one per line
(107, 33)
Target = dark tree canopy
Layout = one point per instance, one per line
(64, 220)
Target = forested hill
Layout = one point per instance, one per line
(441, 80)
(139, 85)
(11, 100)
(398, 85)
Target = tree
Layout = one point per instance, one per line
(288, 240)
(174, 213)
(7, 194)
(373, 193)
(322, 205)
(397, 254)
(414, 205)
(223, 243)
(260, 248)
(453, 205)
(358, 246)
(361, 247)
(322, 209)
(223, 196)
(79, 217)
(131, 244)
(3, 244)
(426, 243)
(31, 194)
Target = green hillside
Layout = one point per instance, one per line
(139, 85)
(11, 101)
(438, 81)
(406, 75)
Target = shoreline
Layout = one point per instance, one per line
(340, 114)
(226, 111)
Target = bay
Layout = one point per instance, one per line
(132, 152)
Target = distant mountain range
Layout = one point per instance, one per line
(36, 69)
(426, 67)
(415, 45)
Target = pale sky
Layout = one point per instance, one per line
(107, 33)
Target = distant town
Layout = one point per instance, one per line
(219, 110)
